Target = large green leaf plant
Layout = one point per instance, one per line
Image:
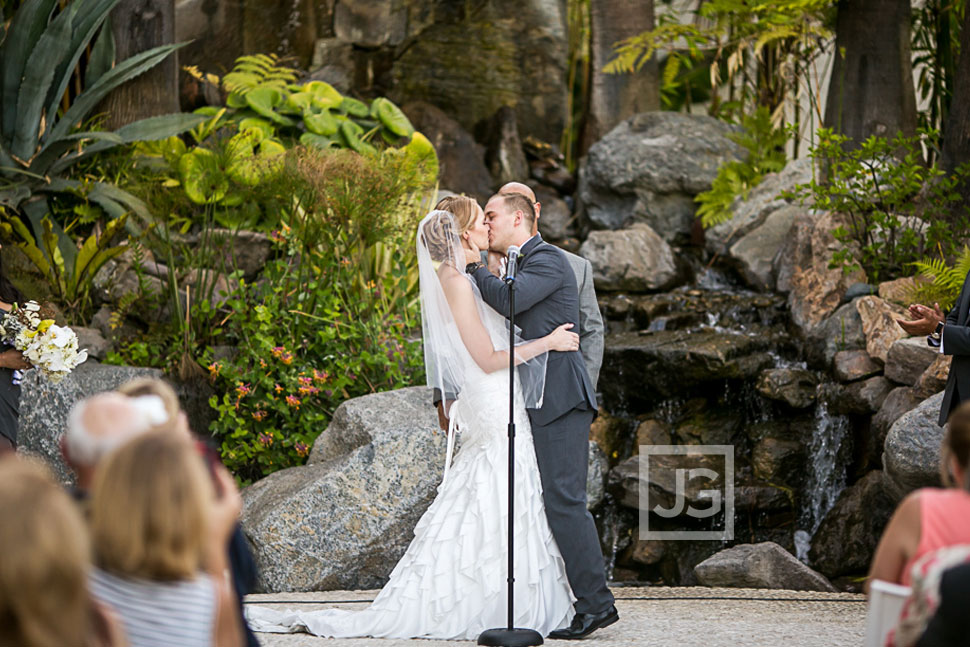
(241, 145)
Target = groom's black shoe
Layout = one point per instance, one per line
(584, 624)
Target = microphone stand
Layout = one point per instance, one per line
(511, 636)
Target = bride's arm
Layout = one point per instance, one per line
(461, 300)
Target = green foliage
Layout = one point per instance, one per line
(331, 318)
(70, 282)
(761, 50)
(38, 54)
(896, 207)
(943, 281)
(227, 175)
(39, 144)
(263, 94)
(765, 147)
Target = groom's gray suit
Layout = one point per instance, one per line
(545, 298)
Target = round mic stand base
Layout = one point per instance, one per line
(510, 638)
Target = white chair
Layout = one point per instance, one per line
(885, 604)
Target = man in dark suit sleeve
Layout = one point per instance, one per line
(951, 334)
(590, 330)
(545, 298)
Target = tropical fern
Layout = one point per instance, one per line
(943, 282)
(258, 70)
(765, 147)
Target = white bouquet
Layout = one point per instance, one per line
(47, 346)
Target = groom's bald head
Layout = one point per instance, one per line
(517, 188)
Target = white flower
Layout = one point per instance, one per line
(60, 336)
(31, 306)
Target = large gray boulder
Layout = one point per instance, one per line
(908, 358)
(635, 259)
(650, 167)
(751, 213)
(847, 537)
(911, 455)
(343, 520)
(44, 407)
(754, 254)
(759, 566)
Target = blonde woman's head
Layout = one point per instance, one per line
(44, 561)
(149, 508)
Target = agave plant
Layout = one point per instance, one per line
(38, 144)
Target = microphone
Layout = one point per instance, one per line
(512, 257)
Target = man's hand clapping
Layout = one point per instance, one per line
(923, 320)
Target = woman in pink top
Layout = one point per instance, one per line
(930, 518)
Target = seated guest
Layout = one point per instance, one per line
(241, 562)
(160, 530)
(950, 626)
(930, 518)
(99, 424)
(44, 599)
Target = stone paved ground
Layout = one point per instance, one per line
(656, 616)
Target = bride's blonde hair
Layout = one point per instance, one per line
(463, 208)
(438, 233)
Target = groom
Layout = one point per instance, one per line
(546, 297)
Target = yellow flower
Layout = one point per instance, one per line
(44, 325)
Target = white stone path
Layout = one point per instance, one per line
(655, 617)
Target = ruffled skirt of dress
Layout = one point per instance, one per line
(451, 581)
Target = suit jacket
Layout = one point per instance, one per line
(546, 297)
(956, 342)
(590, 319)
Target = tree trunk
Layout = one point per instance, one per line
(137, 26)
(614, 97)
(956, 145)
(871, 88)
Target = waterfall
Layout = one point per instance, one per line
(826, 478)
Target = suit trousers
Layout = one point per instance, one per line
(562, 452)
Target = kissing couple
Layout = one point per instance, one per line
(451, 582)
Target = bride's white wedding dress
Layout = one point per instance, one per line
(451, 582)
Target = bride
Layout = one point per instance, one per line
(451, 583)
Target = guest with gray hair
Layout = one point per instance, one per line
(98, 425)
